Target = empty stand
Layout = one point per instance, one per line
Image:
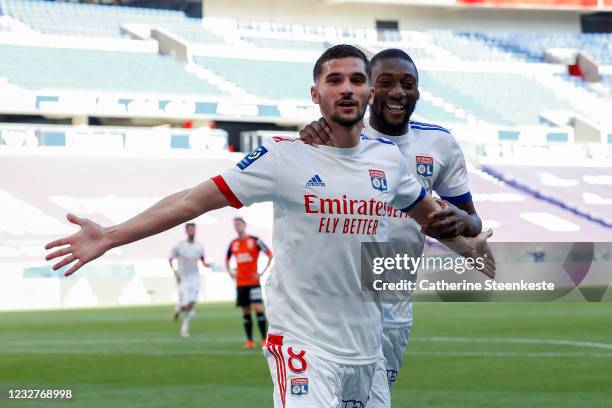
(501, 98)
(267, 79)
(78, 69)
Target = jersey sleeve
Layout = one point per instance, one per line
(253, 179)
(263, 247)
(409, 191)
(452, 183)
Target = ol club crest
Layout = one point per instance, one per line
(379, 181)
(424, 166)
(299, 386)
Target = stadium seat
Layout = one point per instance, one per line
(64, 68)
(267, 79)
(93, 20)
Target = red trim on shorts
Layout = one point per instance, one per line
(281, 374)
(227, 192)
(275, 339)
(282, 358)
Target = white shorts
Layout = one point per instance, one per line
(188, 292)
(394, 343)
(303, 379)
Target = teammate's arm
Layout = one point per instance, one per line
(317, 133)
(458, 215)
(473, 247)
(93, 240)
(452, 220)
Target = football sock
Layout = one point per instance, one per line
(261, 322)
(187, 320)
(248, 325)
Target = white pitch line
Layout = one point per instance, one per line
(120, 341)
(505, 354)
(212, 339)
(256, 353)
(511, 340)
(142, 352)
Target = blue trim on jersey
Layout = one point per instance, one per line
(421, 196)
(385, 141)
(428, 126)
(380, 139)
(463, 198)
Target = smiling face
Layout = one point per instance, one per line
(342, 90)
(396, 94)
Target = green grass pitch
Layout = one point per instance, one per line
(460, 355)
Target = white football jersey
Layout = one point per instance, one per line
(327, 201)
(187, 255)
(436, 160)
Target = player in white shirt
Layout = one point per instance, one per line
(187, 253)
(324, 340)
(437, 161)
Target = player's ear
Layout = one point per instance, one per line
(418, 95)
(371, 97)
(314, 94)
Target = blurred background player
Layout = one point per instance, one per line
(437, 162)
(246, 249)
(187, 253)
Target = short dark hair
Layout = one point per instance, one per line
(338, 52)
(393, 53)
(190, 224)
(239, 219)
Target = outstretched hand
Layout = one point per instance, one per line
(89, 243)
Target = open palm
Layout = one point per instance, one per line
(84, 246)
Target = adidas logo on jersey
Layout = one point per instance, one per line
(315, 181)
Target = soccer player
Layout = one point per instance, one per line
(324, 340)
(436, 159)
(246, 249)
(187, 253)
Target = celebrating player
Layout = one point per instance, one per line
(436, 159)
(324, 339)
(246, 249)
(187, 253)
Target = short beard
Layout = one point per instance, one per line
(348, 122)
(396, 128)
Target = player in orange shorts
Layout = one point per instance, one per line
(246, 249)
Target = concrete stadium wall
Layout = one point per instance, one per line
(317, 12)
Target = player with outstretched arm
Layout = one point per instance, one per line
(323, 341)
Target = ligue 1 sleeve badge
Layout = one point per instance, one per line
(299, 386)
(379, 181)
(251, 157)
